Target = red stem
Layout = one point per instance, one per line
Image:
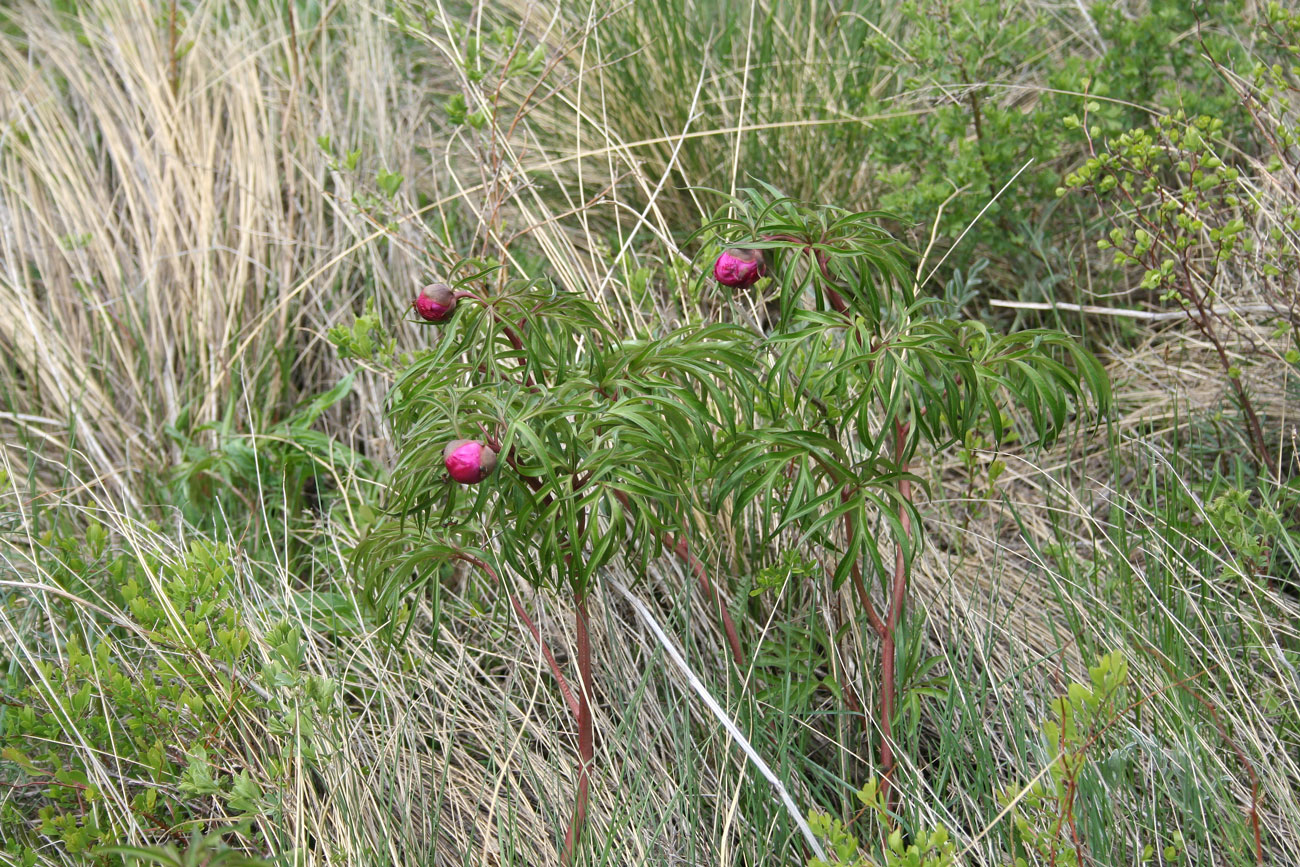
(832, 295)
(898, 590)
(511, 334)
(522, 614)
(569, 699)
(864, 598)
(586, 733)
(887, 644)
(682, 550)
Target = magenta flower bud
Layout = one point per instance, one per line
(436, 302)
(739, 268)
(469, 461)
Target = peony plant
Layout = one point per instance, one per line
(537, 445)
(863, 375)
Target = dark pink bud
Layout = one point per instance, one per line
(739, 268)
(469, 461)
(436, 302)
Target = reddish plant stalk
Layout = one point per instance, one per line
(886, 630)
(864, 597)
(898, 594)
(522, 614)
(682, 550)
(506, 328)
(586, 732)
(569, 699)
(835, 299)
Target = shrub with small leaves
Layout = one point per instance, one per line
(990, 84)
(934, 848)
(1209, 215)
(167, 680)
(1045, 813)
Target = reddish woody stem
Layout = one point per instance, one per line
(864, 598)
(833, 296)
(898, 594)
(682, 550)
(888, 628)
(506, 328)
(522, 614)
(586, 733)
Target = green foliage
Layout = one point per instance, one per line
(366, 339)
(1184, 215)
(1167, 182)
(960, 59)
(859, 375)
(1155, 60)
(280, 472)
(1204, 205)
(389, 182)
(1044, 813)
(594, 429)
(996, 81)
(933, 848)
(790, 564)
(1246, 532)
(168, 687)
(202, 851)
(488, 61)
(603, 440)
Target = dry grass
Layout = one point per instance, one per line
(174, 244)
(464, 754)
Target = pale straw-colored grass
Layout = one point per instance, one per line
(172, 242)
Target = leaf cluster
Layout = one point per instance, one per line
(603, 440)
(167, 685)
(863, 371)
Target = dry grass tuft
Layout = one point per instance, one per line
(174, 244)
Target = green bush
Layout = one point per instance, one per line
(149, 724)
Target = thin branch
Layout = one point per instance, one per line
(522, 614)
(586, 733)
(1147, 315)
(682, 550)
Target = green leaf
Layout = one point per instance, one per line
(389, 182)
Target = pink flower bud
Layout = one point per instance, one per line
(739, 268)
(436, 302)
(469, 461)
